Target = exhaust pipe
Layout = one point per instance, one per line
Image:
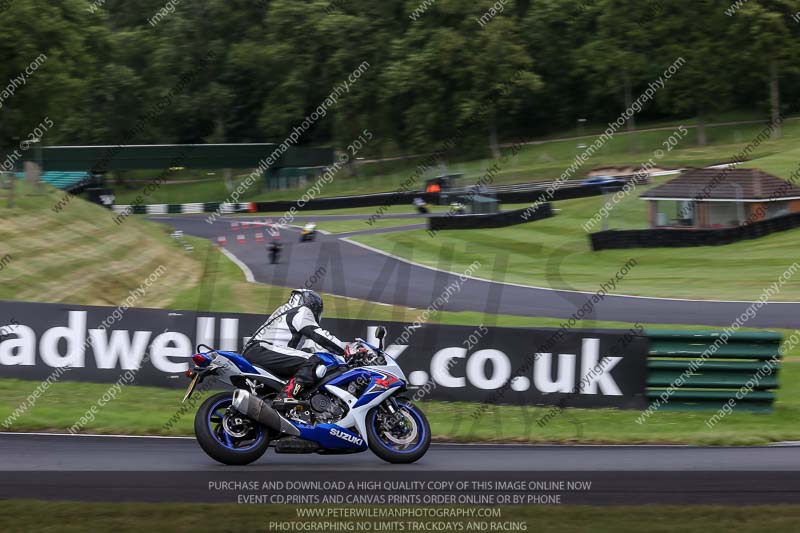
(257, 409)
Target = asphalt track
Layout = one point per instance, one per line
(355, 271)
(95, 468)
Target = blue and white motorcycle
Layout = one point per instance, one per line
(356, 404)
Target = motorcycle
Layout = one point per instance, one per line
(274, 250)
(309, 232)
(356, 405)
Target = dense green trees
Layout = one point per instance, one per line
(769, 47)
(534, 67)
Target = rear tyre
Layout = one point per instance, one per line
(399, 439)
(228, 436)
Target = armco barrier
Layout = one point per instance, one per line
(667, 238)
(743, 368)
(490, 220)
(162, 209)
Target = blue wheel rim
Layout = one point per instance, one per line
(422, 430)
(244, 444)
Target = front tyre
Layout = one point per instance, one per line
(227, 435)
(400, 437)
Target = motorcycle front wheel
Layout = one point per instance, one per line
(400, 437)
(228, 436)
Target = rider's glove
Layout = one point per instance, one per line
(352, 349)
(349, 350)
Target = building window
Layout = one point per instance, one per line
(777, 209)
(671, 213)
(722, 214)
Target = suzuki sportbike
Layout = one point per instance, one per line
(357, 404)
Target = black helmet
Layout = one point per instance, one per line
(307, 298)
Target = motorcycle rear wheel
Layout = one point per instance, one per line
(248, 444)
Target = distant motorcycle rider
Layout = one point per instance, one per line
(285, 343)
(274, 249)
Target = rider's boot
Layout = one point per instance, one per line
(288, 395)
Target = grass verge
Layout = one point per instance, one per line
(67, 517)
(156, 411)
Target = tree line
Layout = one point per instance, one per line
(540, 65)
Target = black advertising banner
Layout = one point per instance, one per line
(586, 368)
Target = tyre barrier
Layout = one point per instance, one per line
(489, 220)
(690, 370)
(669, 238)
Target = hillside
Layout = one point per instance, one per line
(79, 255)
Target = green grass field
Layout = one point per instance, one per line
(67, 517)
(149, 410)
(178, 191)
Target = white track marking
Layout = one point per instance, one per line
(248, 274)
